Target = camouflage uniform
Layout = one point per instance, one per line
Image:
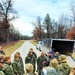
(21, 63)
(30, 59)
(40, 64)
(17, 68)
(34, 54)
(64, 67)
(7, 69)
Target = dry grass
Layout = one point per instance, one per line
(10, 48)
(34, 42)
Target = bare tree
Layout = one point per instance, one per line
(64, 25)
(7, 14)
(38, 30)
(73, 10)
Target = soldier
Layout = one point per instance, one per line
(29, 69)
(41, 62)
(16, 65)
(34, 54)
(1, 64)
(64, 67)
(31, 49)
(8, 70)
(1, 51)
(56, 55)
(55, 65)
(21, 61)
(30, 59)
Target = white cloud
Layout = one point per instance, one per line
(29, 9)
(23, 25)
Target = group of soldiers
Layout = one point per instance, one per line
(11, 68)
(52, 63)
(47, 64)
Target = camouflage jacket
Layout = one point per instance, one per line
(64, 67)
(21, 62)
(17, 67)
(40, 61)
(30, 59)
(7, 69)
(35, 54)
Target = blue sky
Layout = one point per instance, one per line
(28, 10)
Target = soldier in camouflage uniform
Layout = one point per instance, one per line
(16, 65)
(34, 54)
(41, 62)
(55, 65)
(30, 59)
(64, 67)
(8, 70)
(21, 61)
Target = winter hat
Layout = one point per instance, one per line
(29, 68)
(62, 57)
(57, 53)
(51, 52)
(6, 58)
(54, 63)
